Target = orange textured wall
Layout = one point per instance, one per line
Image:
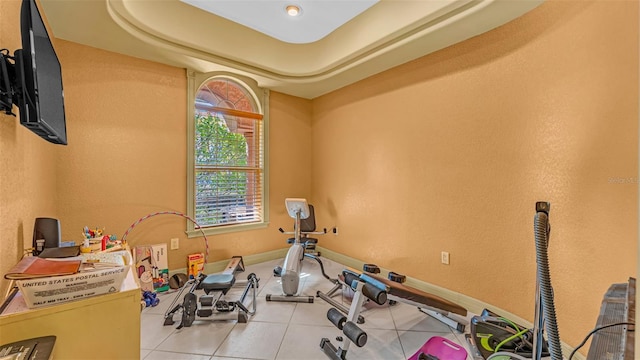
(289, 155)
(126, 156)
(450, 153)
(127, 143)
(28, 178)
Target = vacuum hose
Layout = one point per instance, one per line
(541, 230)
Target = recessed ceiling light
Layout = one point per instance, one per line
(293, 10)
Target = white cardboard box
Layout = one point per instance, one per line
(59, 289)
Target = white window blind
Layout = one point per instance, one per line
(229, 163)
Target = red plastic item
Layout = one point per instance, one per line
(443, 349)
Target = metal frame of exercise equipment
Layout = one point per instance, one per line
(291, 269)
(211, 305)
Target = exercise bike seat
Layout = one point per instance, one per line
(218, 282)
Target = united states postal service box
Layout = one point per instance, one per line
(53, 290)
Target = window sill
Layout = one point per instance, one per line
(226, 229)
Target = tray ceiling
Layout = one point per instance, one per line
(368, 40)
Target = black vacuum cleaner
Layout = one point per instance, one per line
(496, 338)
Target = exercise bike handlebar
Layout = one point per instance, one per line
(324, 231)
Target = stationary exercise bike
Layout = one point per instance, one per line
(289, 272)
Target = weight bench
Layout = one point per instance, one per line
(211, 304)
(435, 306)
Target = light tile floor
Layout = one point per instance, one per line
(282, 330)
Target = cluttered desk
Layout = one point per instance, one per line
(74, 299)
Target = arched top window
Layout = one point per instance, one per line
(228, 187)
(226, 93)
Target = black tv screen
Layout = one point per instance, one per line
(42, 102)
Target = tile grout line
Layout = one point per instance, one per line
(285, 331)
(311, 279)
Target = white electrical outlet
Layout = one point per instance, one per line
(444, 257)
(175, 243)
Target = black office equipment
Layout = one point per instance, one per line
(47, 229)
(39, 348)
(31, 79)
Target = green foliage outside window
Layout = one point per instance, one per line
(221, 188)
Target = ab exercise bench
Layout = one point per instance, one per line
(212, 305)
(380, 290)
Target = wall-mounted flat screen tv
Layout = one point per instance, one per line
(31, 79)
